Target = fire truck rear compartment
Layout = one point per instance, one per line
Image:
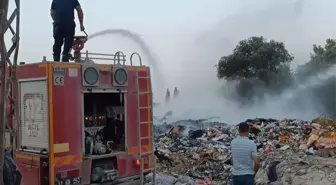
(104, 170)
(104, 124)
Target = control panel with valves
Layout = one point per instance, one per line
(102, 132)
(94, 126)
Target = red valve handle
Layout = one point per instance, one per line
(78, 45)
(79, 42)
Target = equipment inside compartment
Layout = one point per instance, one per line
(104, 170)
(104, 123)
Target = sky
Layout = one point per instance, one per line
(188, 37)
(181, 33)
(155, 20)
(163, 25)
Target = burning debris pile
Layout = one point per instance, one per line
(292, 151)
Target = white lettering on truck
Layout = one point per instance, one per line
(33, 118)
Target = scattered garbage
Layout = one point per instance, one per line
(292, 151)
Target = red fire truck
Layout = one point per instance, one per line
(85, 123)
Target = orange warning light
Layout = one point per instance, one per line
(137, 162)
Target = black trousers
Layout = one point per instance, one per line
(243, 180)
(63, 34)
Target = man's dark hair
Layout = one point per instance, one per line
(243, 127)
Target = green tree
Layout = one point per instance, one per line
(321, 59)
(255, 58)
(326, 54)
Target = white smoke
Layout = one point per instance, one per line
(295, 23)
(299, 24)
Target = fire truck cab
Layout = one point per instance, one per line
(85, 123)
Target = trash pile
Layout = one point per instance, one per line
(292, 151)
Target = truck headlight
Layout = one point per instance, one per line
(91, 75)
(120, 76)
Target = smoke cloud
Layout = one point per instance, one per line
(299, 24)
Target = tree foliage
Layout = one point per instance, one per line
(321, 59)
(326, 54)
(259, 67)
(254, 58)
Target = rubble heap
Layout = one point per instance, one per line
(292, 151)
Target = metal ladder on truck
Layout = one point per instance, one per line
(139, 123)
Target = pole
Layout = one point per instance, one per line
(3, 20)
(8, 81)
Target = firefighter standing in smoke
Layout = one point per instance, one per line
(176, 92)
(167, 96)
(62, 13)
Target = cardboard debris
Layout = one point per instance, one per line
(293, 150)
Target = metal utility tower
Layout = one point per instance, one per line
(8, 81)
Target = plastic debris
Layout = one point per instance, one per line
(292, 151)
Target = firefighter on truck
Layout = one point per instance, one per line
(82, 123)
(74, 128)
(62, 14)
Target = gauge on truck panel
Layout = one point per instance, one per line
(120, 76)
(90, 75)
